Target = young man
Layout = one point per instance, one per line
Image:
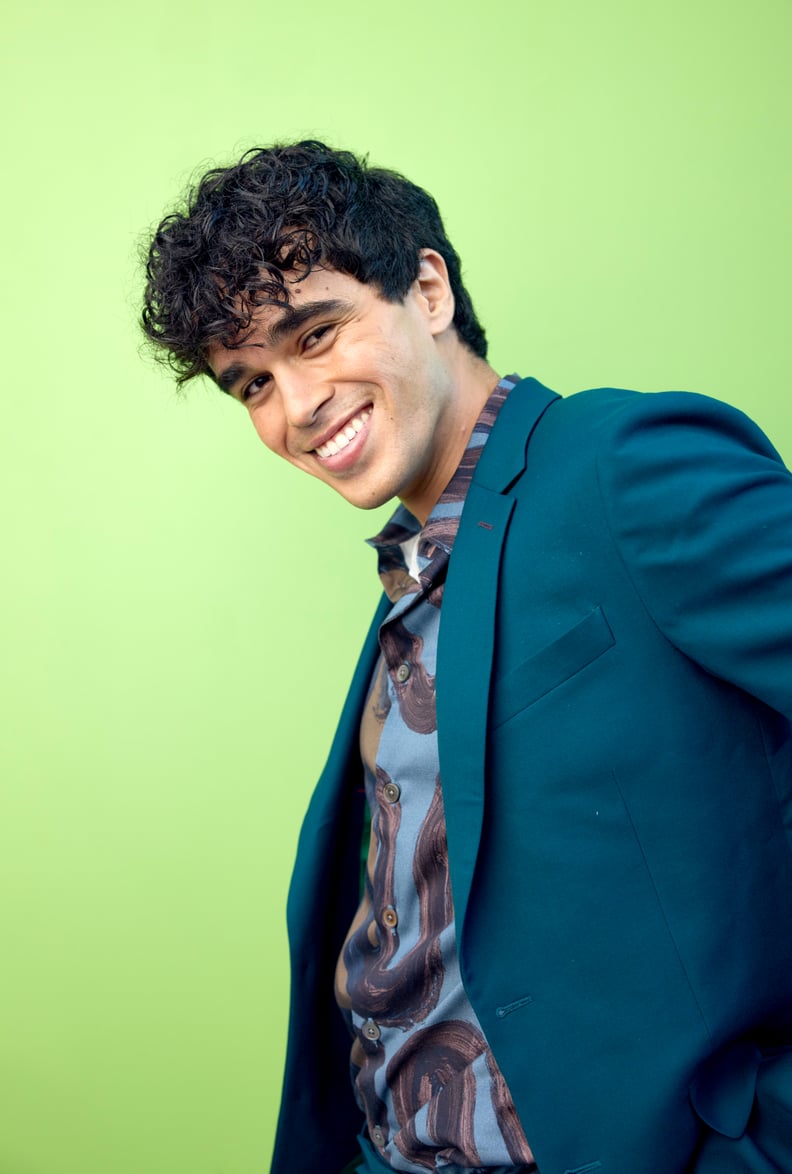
(571, 949)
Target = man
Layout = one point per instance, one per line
(571, 946)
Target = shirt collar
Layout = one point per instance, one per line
(436, 539)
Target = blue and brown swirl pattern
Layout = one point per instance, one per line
(424, 1075)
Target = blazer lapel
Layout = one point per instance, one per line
(329, 808)
(467, 630)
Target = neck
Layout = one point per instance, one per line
(473, 381)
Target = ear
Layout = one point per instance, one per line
(434, 291)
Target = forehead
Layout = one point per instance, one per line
(318, 283)
(303, 290)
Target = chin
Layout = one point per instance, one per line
(362, 500)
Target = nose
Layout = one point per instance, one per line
(303, 395)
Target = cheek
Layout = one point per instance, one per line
(269, 430)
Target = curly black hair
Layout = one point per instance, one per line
(282, 209)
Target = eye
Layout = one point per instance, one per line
(254, 388)
(315, 336)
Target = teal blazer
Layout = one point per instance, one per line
(614, 692)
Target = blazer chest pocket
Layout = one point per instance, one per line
(551, 666)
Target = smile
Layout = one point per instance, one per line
(344, 435)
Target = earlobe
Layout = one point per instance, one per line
(435, 290)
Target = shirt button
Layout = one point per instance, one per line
(403, 673)
(390, 917)
(377, 1136)
(371, 1030)
(391, 791)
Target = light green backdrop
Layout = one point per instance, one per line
(180, 613)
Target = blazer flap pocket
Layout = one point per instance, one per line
(551, 666)
(722, 1092)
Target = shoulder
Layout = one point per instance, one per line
(618, 413)
(613, 429)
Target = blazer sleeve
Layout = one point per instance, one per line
(700, 506)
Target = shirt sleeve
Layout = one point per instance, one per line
(700, 505)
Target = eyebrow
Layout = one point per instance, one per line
(289, 323)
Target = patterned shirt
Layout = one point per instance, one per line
(424, 1075)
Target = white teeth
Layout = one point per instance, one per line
(343, 436)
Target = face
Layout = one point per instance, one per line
(353, 389)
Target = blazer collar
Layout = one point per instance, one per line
(506, 452)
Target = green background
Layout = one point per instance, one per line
(180, 611)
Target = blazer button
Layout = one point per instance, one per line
(371, 1030)
(391, 792)
(377, 1136)
(390, 917)
(403, 673)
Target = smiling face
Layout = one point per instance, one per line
(360, 392)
